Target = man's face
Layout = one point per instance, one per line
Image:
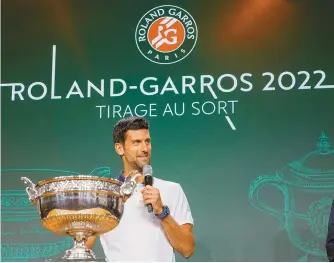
(136, 151)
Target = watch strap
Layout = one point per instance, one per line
(165, 212)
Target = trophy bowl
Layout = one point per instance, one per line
(80, 206)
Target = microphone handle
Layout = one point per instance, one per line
(149, 208)
(149, 181)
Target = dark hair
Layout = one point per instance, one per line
(129, 123)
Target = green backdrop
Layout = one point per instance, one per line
(242, 118)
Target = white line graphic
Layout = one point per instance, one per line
(230, 123)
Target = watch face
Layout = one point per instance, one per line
(167, 210)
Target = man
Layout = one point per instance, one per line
(140, 235)
(330, 236)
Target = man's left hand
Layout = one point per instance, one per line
(151, 196)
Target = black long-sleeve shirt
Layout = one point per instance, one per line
(330, 236)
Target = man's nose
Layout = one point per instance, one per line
(144, 147)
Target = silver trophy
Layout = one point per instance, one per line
(80, 206)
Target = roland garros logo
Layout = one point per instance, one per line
(166, 34)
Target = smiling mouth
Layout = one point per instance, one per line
(143, 157)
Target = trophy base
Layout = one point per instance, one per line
(79, 254)
(73, 260)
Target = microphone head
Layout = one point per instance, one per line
(147, 170)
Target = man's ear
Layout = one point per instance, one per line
(119, 148)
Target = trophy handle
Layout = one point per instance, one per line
(30, 189)
(129, 185)
(254, 198)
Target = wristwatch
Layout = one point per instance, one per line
(165, 212)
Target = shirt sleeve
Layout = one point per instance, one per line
(330, 236)
(181, 209)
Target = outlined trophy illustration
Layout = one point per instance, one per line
(310, 180)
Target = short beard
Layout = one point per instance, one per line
(135, 166)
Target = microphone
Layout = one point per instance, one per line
(148, 180)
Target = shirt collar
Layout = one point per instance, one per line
(121, 177)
